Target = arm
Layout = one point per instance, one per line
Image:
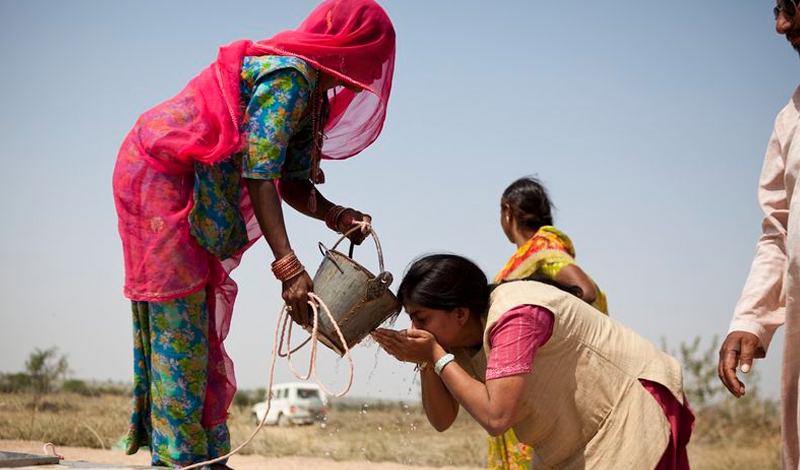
(760, 307)
(572, 275)
(440, 407)
(269, 124)
(760, 310)
(296, 194)
(494, 405)
(267, 208)
(514, 339)
(420, 347)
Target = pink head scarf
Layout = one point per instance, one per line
(352, 40)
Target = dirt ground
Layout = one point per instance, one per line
(243, 462)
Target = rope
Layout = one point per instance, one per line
(312, 367)
(50, 449)
(315, 302)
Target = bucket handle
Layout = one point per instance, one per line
(370, 231)
(324, 250)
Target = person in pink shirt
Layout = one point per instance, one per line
(581, 389)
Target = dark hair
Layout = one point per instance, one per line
(527, 198)
(445, 282)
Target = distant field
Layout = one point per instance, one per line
(391, 432)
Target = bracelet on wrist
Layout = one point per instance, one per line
(287, 267)
(442, 362)
(332, 217)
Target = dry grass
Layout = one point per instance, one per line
(65, 419)
(737, 435)
(398, 435)
(763, 456)
(392, 433)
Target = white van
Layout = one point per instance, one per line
(293, 403)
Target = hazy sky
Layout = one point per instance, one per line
(647, 124)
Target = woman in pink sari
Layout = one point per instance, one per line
(201, 177)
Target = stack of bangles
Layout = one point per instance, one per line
(287, 267)
(332, 217)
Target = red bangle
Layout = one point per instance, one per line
(287, 267)
(332, 217)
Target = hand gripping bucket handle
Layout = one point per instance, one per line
(372, 232)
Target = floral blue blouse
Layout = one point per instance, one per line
(275, 91)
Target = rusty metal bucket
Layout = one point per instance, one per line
(358, 300)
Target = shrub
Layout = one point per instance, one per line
(15, 383)
(45, 369)
(77, 386)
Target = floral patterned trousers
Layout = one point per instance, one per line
(169, 383)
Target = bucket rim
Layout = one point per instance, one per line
(354, 262)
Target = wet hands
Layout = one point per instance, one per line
(295, 295)
(412, 345)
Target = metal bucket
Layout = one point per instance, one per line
(358, 300)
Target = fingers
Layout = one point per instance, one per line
(387, 346)
(351, 217)
(738, 349)
(295, 294)
(746, 356)
(297, 314)
(406, 345)
(367, 219)
(727, 373)
(388, 340)
(413, 333)
(303, 317)
(728, 360)
(391, 342)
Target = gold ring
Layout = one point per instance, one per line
(288, 308)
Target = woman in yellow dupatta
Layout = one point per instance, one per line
(526, 217)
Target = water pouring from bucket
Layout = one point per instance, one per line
(358, 300)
